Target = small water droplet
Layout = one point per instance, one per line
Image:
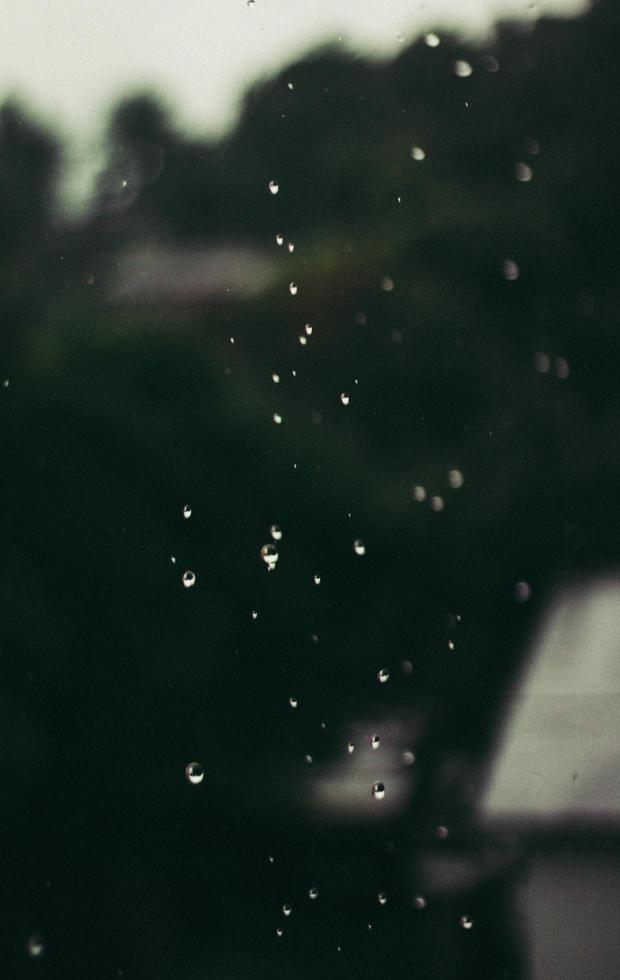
(419, 902)
(274, 187)
(279, 239)
(303, 340)
(194, 773)
(383, 675)
(490, 63)
(542, 362)
(6, 382)
(187, 512)
(269, 554)
(292, 288)
(418, 153)
(277, 418)
(317, 579)
(432, 40)
(35, 946)
(441, 832)
(271, 859)
(408, 757)
(455, 479)
(287, 909)
(293, 702)
(350, 748)
(254, 614)
(462, 69)
(188, 579)
(275, 532)
(523, 591)
(533, 147)
(308, 759)
(279, 932)
(437, 504)
(387, 284)
(407, 667)
(313, 893)
(523, 172)
(359, 547)
(378, 791)
(275, 378)
(450, 644)
(345, 398)
(466, 921)
(382, 898)
(290, 86)
(510, 270)
(419, 494)
(375, 741)
(562, 368)
(291, 247)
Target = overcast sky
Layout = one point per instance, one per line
(68, 59)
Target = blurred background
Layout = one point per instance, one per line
(309, 423)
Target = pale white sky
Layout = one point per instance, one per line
(69, 59)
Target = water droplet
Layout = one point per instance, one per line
(187, 512)
(387, 284)
(383, 675)
(382, 898)
(350, 748)
(277, 418)
(419, 494)
(275, 378)
(437, 504)
(274, 187)
(279, 932)
(254, 614)
(542, 362)
(490, 63)
(455, 479)
(317, 579)
(251, 3)
(408, 757)
(173, 559)
(419, 902)
(378, 791)
(293, 702)
(289, 85)
(510, 270)
(194, 773)
(462, 69)
(271, 859)
(375, 741)
(441, 832)
(35, 946)
(275, 532)
(450, 644)
(308, 759)
(533, 147)
(303, 340)
(292, 288)
(291, 247)
(287, 909)
(359, 547)
(523, 172)
(345, 398)
(432, 40)
(407, 667)
(418, 153)
(523, 591)
(188, 579)
(279, 239)
(6, 382)
(562, 369)
(466, 921)
(269, 554)
(313, 893)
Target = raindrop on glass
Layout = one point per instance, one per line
(291, 247)
(383, 675)
(375, 741)
(277, 418)
(303, 340)
(313, 893)
(378, 791)
(187, 512)
(407, 667)
(345, 398)
(431, 40)
(462, 69)
(35, 946)
(274, 187)
(510, 270)
(466, 921)
(419, 902)
(455, 479)
(194, 773)
(382, 898)
(437, 504)
(418, 153)
(275, 378)
(293, 702)
(308, 759)
(269, 554)
(279, 239)
(562, 368)
(387, 284)
(490, 63)
(408, 757)
(254, 614)
(542, 362)
(450, 644)
(292, 288)
(317, 579)
(359, 547)
(275, 532)
(279, 932)
(350, 748)
(523, 591)
(419, 494)
(188, 579)
(287, 909)
(523, 172)
(441, 832)
(6, 382)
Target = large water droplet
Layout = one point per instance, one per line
(292, 288)
(274, 187)
(359, 547)
(383, 675)
(378, 791)
(431, 39)
(418, 153)
(275, 532)
(194, 773)
(375, 742)
(187, 511)
(188, 579)
(269, 554)
(462, 69)
(345, 398)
